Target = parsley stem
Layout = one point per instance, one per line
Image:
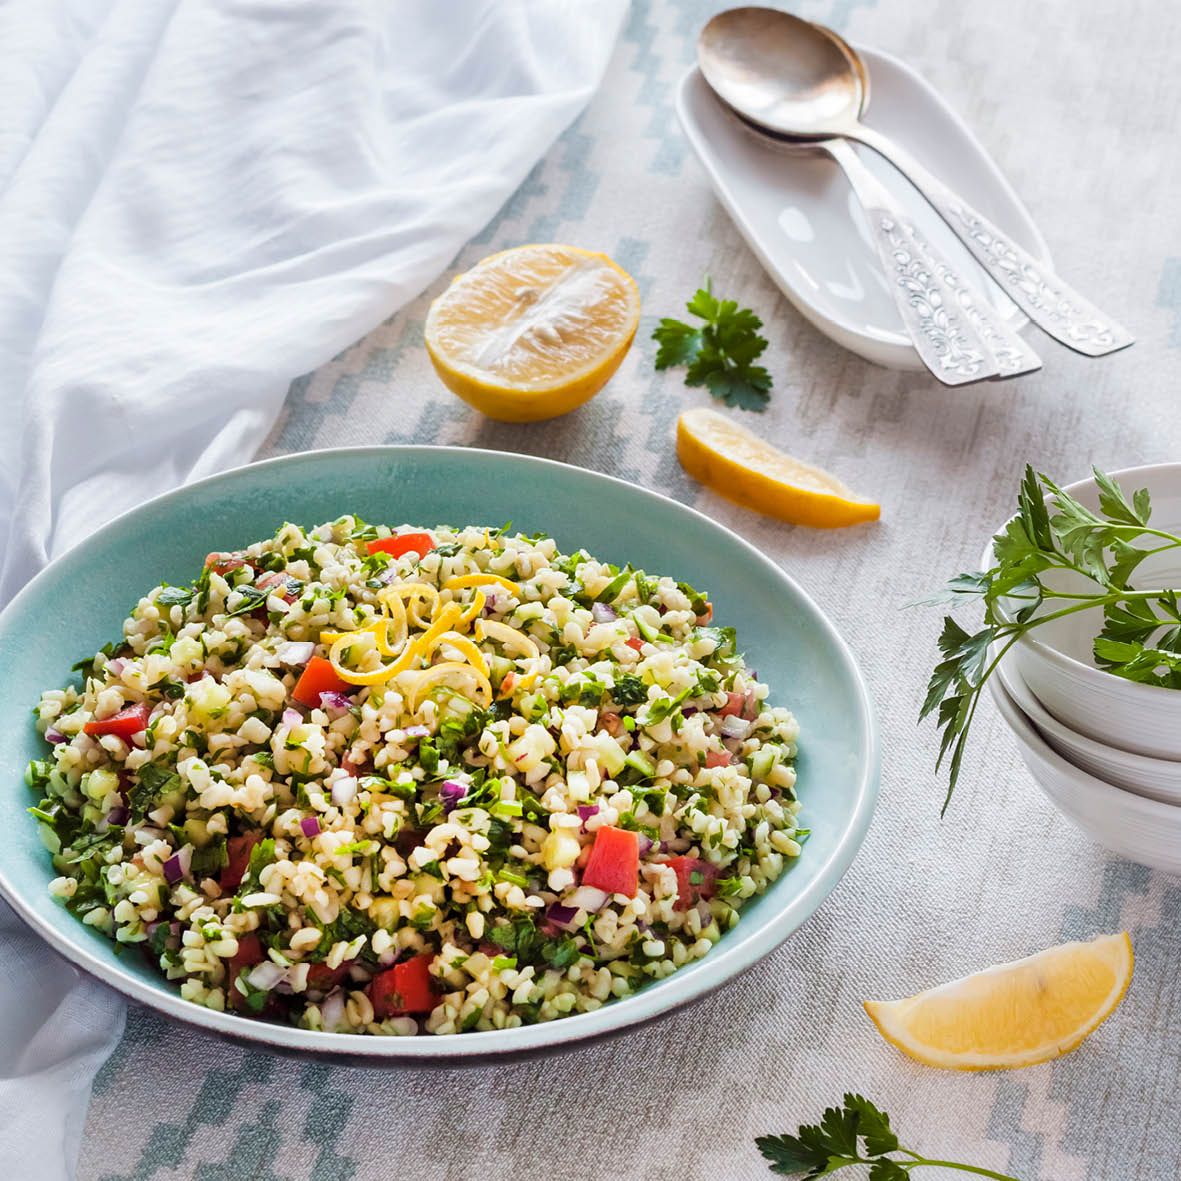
(980, 1172)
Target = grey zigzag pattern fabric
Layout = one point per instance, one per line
(1079, 104)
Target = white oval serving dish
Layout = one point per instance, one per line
(799, 216)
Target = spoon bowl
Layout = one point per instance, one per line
(780, 72)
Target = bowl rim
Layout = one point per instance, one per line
(1098, 789)
(650, 1002)
(1068, 664)
(1024, 698)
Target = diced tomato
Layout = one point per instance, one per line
(735, 704)
(271, 581)
(322, 978)
(405, 988)
(696, 879)
(403, 543)
(718, 758)
(614, 863)
(610, 722)
(351, 766)
(318, 677)
(706, 615)
(221, 563)
(249, 953)
(636, 643)
(128, 721)
(238, 850)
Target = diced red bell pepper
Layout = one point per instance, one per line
(128, 721)
(403, 543)
(322, 978)
(405, 988)
(249, 953)
(318, 677)
(718, 758)
(614, 863)
(238, 850)
(221, 563)
(696, 879)
(635, 643)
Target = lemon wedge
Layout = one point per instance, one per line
(1015, 1014)
(533, 332)
(740, 466)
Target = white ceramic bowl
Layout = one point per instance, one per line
(1142, 830)
(1155, 779)
(1056, 662)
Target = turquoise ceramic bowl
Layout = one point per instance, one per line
(79, 602)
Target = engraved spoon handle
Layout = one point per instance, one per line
(1054, 307)
(941, 331)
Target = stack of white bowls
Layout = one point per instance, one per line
(1105, 750)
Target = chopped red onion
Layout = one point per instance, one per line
(689, 710)
(266, 975)
(310, 825)
(490, 605)
(451, 793)
(645, 844)
(585, 812)
(295, 652)
(177, 866)
(588, 898)
(115, 667)
(734, 727)
(118, 815)
(334, 699)
(417, 731)
(332, 1011)
(344, 790)
(292, 717)
(55, 736)
(562, 916)
(750, 709)
(602, 613)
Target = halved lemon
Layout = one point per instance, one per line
(533, 332)
(740, 466)
(1015, 1014)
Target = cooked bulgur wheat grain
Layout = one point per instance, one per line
(518, 784)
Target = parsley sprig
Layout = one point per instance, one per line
(857, 1133)
(1141, 634)
(720, 354)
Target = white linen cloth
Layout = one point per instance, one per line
(198, 203)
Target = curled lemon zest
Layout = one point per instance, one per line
(461, 643)
(509, 637)
(426, 679)
(418, 593)
(477, 605)
(481, 579)
(377, 628)
(353, 676)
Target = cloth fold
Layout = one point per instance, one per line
(199, 202)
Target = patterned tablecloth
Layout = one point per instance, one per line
(1079, 104)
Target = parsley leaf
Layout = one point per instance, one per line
(719, 355)
(1053, 533)
(856, 1133)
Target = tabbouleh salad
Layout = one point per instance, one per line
(391, 781)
